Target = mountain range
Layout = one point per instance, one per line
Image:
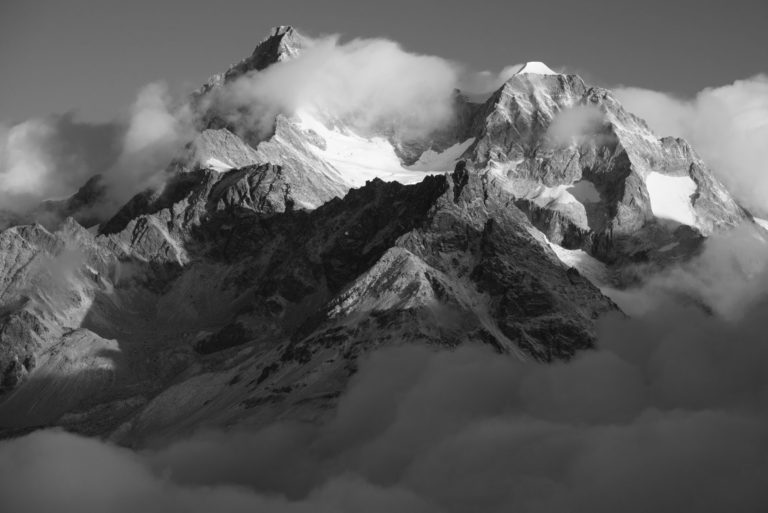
(247, 287)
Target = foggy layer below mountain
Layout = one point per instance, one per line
(669, 413)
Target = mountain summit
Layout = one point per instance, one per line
(248, 287)
(283, 43)
(536, 67)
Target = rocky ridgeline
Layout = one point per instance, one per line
(250, 284)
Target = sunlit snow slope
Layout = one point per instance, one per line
(359, 159)
(671, 197)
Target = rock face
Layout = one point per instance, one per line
(49, 281)
(248, 286)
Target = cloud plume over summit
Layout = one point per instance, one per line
(365, 82)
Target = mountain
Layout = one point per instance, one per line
(250, 284)
(592, 176)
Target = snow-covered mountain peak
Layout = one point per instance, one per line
(537, 68)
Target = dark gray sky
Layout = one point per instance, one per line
(93, 55)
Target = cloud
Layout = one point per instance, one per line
(668, 414)
(728, 127)
(155, 133)
(576, 123)
(486, 82)
(55, 471)
(364, 82)
(50, 158)
(728, 276)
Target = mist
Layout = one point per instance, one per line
(727, 126)
(576, 124)
(729, 274)
(51, 158)
(157, 130)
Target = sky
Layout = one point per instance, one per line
(92, 56)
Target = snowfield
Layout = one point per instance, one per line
(359, 159)
(430, 160)
(536, 67)
(671, 197)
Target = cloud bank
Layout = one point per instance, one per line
(728, 127)
(576, 124)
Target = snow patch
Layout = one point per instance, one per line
(671, 197)
(218, 165)
(430, 160)
(762, 223)
(593, 269)
(359, 159)
(552, 196)
(536, 67)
